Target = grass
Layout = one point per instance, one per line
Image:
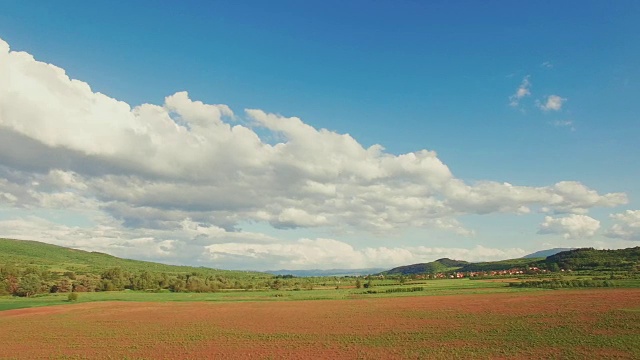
(381, 289)
(431, 288)
(22, 253)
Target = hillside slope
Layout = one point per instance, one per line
(586, 259)
(592, 259)
(546, 253)
(434, 267)
(28, 268)
(24, 253)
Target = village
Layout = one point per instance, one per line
(473, 274)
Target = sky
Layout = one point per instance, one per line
(264, 135)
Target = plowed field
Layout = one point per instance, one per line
(602, 323)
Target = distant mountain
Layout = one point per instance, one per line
(546, 253)
(330, 272)
(437, 266)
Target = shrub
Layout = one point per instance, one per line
(406, 289)
(358, 284)
(73, 296)
(558, 284)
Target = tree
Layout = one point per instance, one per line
(277, 284)
(358, 284)
(196, 284)
(368, 284)
(61, 286)
(117, 277)
(308, 285)
(11, 284)
(30, 284)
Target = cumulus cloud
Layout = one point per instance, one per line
(185, 243)
(626, 226)
(491, 197)
(150, 172)
(329, 253)
(198, 244)
(571, 227)
(521, 92)
(553, 103)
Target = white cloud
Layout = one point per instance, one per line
(521, 92)
(329, 253)
(547, 64)
(186, 172)
(571, 226)
(184, 244)
(491, 197)
(200, 245)
(553, 103)
(627, 225)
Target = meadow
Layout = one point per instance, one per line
(60, 303)
(449, 323)
(321, 291)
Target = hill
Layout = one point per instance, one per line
(329, 272)
(503, 264)
(546, 253)
(434, 267)
(30, 267)
(586, 259)
(60, 259)
(601, 260)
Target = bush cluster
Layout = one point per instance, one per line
(559, 284)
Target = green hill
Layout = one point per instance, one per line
(29, 267)
(504, 264)
(602, 260)
(23, 253)
(546, 253)
(587, 259)
(434, 267)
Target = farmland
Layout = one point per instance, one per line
(91, 305)
(519, 324)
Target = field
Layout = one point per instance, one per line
(583, 323)
(329, 292)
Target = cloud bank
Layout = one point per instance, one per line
(571, 227)
(159, 179)
(626, 226)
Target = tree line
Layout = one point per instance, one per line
(29, 281)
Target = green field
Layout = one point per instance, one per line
(43, 274)
(381, 289)
(168, 312)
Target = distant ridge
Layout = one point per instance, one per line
(570, 259)
(546, 253)
(23, 253)
(329, 272)
(437, 266)
(592, 259)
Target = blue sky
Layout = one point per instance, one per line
(533, 94)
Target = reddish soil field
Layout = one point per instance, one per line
(601, 323)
